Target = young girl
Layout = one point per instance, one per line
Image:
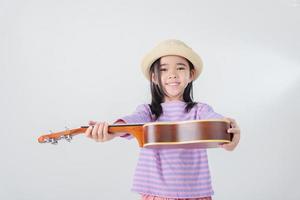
(165, 174)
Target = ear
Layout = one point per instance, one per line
(192, 75)
(154, 79)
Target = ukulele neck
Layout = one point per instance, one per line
(121, 128)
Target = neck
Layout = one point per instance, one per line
(168, 99)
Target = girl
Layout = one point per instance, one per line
(165, 174)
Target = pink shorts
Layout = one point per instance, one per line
(150, 197)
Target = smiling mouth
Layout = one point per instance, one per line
(173, 84)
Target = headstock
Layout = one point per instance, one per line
(68, 134)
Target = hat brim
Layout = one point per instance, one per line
(158, 52)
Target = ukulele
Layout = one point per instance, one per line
(208, 133)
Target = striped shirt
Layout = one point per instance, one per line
(172, 173)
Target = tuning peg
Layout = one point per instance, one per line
(68, 138)
(50, 140)
(53, 141)
(47, 140)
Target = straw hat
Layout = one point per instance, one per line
(171, 47)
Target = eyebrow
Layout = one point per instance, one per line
(164, 64)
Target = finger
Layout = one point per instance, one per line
(100, 132)
(232, 122)
(224, 145)
(105, 131)
(92, 122)
(228, 146)
(236, 138)
(94, 132)
(88, 131)
(233, 130)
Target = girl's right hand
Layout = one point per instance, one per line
(99, 131)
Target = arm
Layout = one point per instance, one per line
(206, 111)
(142, 114)
(120, 121)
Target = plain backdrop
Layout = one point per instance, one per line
(63, 63)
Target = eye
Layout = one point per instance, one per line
(162, 69)
(181, 68)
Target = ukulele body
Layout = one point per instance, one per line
(186, 134)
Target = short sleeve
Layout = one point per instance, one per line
(205, 111)
(142, 114)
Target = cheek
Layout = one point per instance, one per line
(185, 76)
(163, 78)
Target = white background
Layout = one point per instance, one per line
(63, 63)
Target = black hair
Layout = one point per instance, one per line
(158, 94)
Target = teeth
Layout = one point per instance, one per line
(173, 84)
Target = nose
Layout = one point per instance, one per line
(172, 74)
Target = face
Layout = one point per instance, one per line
(175, 76)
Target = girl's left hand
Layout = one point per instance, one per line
(236, 135)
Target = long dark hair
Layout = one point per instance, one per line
(158, 94)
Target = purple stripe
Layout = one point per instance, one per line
(177, 152)
(132, 119)
(174, 151)
(213, 115)
(176, 161)
(172, 119)
(173, 156)
(177, 166)
(172, 168)
(162, 188)
(176, 105)
(160, 175)
(180, 184)
(178, 117)
(174, 111)
(172, 174)
(181, 179)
